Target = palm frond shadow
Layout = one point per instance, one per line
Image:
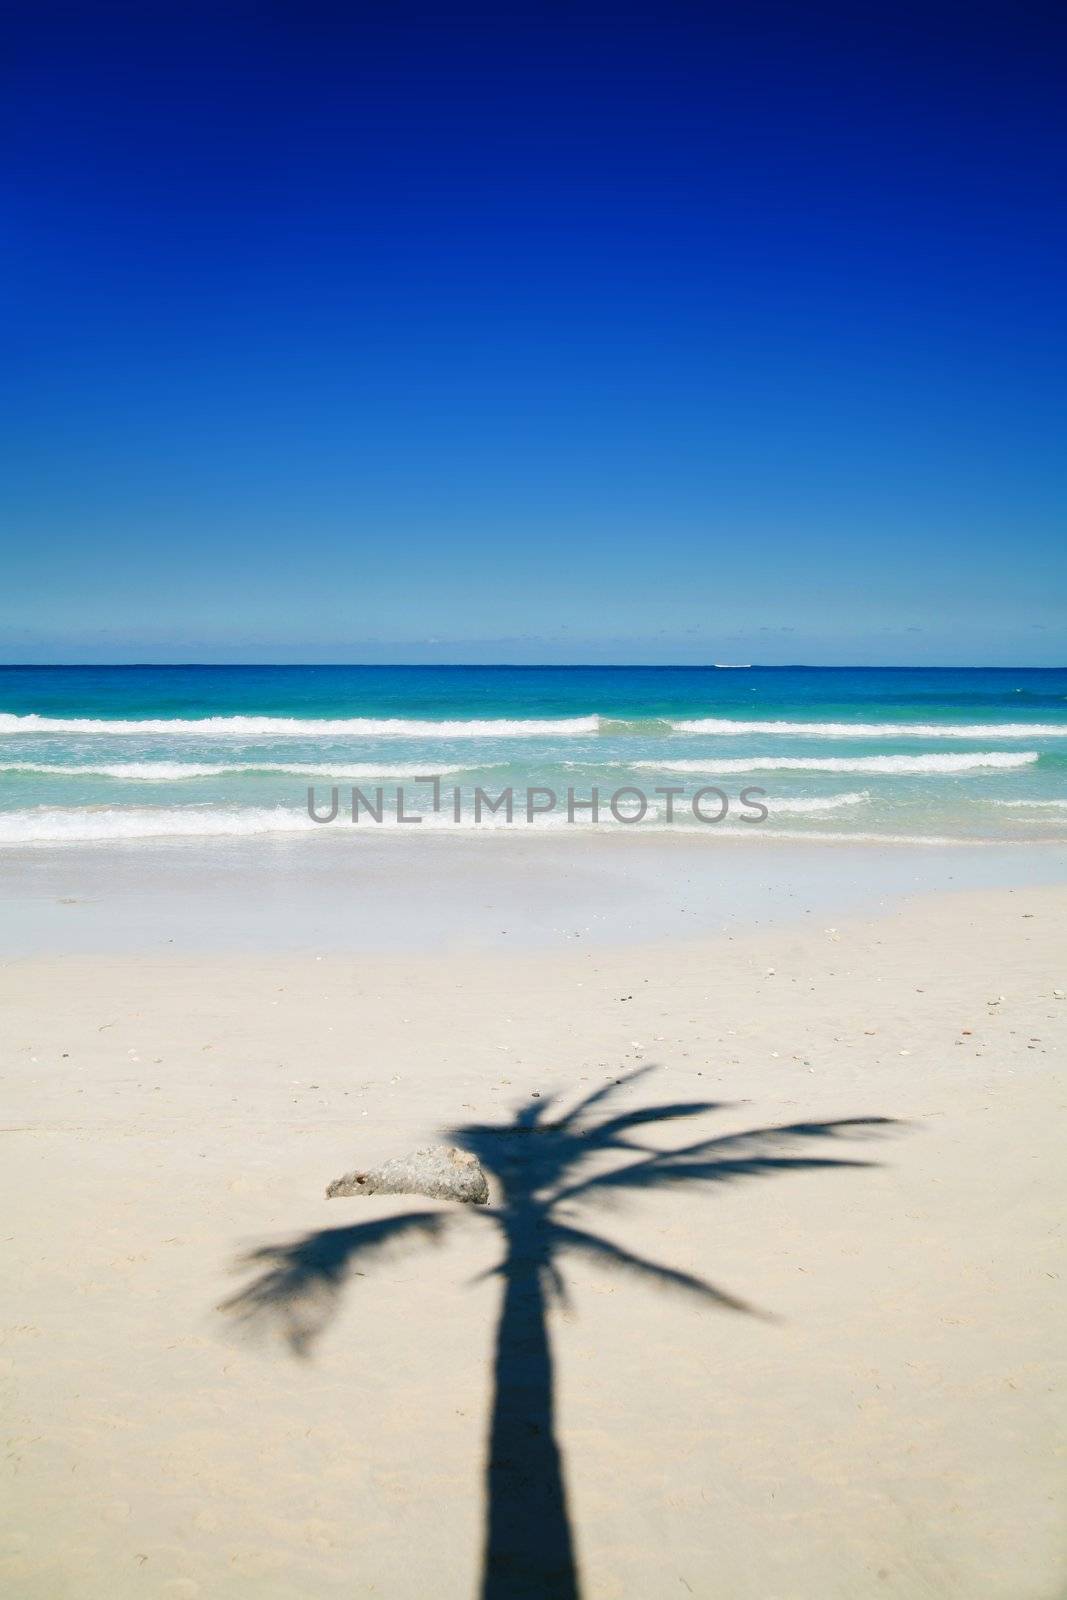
(298, 1286)
(544, 1166)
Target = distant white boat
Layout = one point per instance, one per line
(732, 666)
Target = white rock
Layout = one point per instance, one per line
(440, 1171)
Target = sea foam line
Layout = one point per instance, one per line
(305, 728)
(89, 824)
(54, 826)
(947, 762)
(1033, 805)
(175, 771)
(880, 730)
(812, 803)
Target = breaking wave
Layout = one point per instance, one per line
(881, 730)
(306, 728)
(971, 762)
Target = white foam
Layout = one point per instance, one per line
(821, 836)
(1034, 805)
(53, 826)
(880, 730)
(176, 771)
(57, 825)
(813, 803)
(69, 826)
(306, 728)
(947, 762)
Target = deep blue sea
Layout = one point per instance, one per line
(111, 753)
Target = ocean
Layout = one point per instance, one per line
(92, 754)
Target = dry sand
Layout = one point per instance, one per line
(886, 1427)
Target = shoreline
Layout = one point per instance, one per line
(436, 892)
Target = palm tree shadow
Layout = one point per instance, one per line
(545, 1169)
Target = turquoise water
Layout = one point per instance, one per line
(109, 753)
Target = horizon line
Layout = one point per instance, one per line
(536, 666)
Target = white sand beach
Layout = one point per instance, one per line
(870, 1407)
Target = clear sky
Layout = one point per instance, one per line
(668, 333)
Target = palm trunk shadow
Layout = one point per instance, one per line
(539, 1167)
(529, 1550)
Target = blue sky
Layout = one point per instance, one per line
(667, 333)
